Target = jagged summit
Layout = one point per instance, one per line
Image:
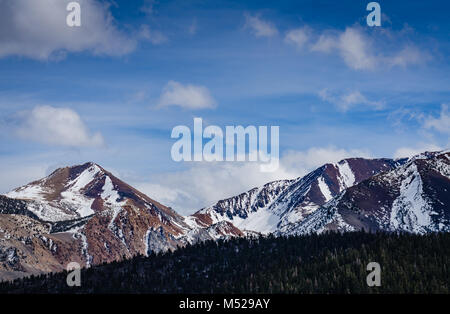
(85, 214)
(277, 204)
(81, 190)
(413, 197)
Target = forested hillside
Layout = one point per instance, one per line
(327, 263)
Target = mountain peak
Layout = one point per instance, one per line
(77, 168)
(412, 197)
(85, 213)
(429, 154)
(78, 191)
(277, 204)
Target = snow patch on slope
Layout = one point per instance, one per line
(72, 197)
(410, 211)
(47, 212)
(346, 177)
(27, 192)
(109, 194)
(324, 189)
(84, 178)
(263, 221)
(147, 234)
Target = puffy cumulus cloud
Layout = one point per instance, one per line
(204, 183)
(347, 101)
(362, 52)
(357, 49)
(260, 27)
(352, 45)
(186, 96)
(407, 56)
(56, 126)
(440, 123)
(164, 194)
(299, 37)
(405, 152)
(38, 30)
(325, 43)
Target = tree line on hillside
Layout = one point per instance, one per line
(325, 263)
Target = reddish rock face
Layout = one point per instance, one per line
(85, 214)
(203, 219)
(89, 216)
(280, 203)
(413, 197)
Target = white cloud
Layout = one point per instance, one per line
(302, 162)
(404, 152)
(204, 183)
(355, 50)
(260, 27)
(38, 30)
(56, 126)
(352, 45)
(360, 51)
(299, 37)
(325, 43)
(441, 123)
(186, 96)
(153, 36)
(164, 194)
(408, 55)
(347, 101)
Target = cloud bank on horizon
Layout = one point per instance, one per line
(111, 90)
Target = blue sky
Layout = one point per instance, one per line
(335, 86)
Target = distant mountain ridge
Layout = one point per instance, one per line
(87, 215)
(414, 197)
(275, 205)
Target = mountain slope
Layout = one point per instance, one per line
(87, 215)
(327, 263)
(117, 211)
(276, 205)
(412, 198)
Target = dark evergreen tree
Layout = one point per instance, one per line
(327, 263)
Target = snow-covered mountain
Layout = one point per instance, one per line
(87, 215)
(80, 191)
(274, 206)
(89, 191)
(414, 197)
